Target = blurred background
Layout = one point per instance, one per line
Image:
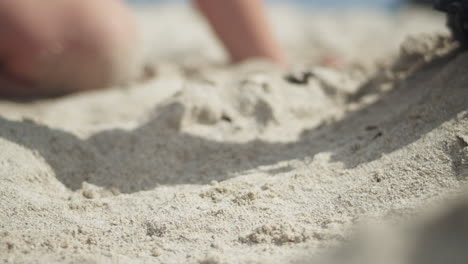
(309, 30)
(325, 4)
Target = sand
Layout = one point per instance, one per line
(199, 162)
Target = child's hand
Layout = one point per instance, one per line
(243, 28)
(59, 46)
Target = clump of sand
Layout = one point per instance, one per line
(204, 163)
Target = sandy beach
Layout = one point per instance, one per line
(362, 159)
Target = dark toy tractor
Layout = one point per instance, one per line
(457, 18)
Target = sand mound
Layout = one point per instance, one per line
(202, 163)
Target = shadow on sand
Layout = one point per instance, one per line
(156, 154)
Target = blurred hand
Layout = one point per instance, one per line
(53, 47)
(244, 29)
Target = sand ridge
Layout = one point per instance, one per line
(203, 163)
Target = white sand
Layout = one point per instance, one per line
(203, 163)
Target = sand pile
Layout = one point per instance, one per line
(204, 163)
